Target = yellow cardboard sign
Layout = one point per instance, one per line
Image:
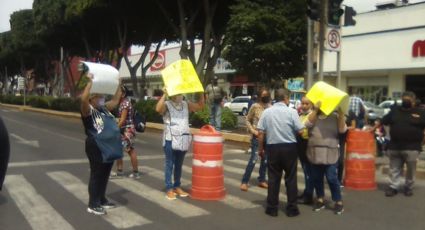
(180, 77)
(330, 97)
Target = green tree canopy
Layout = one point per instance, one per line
(266, 39)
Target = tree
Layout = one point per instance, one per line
(198, 20)
(266, 39)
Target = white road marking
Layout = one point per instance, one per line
(24, 141)
(38, 212)
(178, 207)
(232, 201)
(56, 134)
(119, 217)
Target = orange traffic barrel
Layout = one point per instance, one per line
(207, 165)
(360, 160)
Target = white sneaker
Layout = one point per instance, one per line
(96, 211)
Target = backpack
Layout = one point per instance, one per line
(139, 121)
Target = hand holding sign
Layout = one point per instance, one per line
(329, 97)
(180, 77)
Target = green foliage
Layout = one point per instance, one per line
(66, 104)
(40, 102)
(267, 38)
(228, 119)
(147, 108)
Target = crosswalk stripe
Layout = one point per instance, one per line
(119, 217)
(230, 200)
(38, 212)
(178, 207)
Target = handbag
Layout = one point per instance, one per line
(108, 140)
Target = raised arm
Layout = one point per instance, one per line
(113, 103)
(193, 107)
(342, 126)
(160, 106)
(85, 104)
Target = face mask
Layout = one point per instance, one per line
(178, 99)
(407, 104)
(265, 99)
(101, 102)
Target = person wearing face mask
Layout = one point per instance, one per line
(252, 119)
(103, 144)
(306, 108)
(407, 123)
(176, 138)
(215, 95)
(128, 134)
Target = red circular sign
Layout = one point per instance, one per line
(159, 62)
(334, 39)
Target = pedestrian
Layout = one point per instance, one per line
(407, 123)
(305, 109)
(252, 119)
(128, 134)
(4, 152)
(358, 109)
(176, 138)
(102, 145)
(380, 136)
(323, 154)
(280, 124)
(215, 95)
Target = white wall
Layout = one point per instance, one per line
(378, 51)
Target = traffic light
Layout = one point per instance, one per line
(334, 11)
(349, 16)
(313, 9)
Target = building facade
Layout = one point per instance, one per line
(383, 54)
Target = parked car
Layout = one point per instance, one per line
(239, 105)
(373, 111)
(386, 105)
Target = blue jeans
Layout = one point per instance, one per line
(215, 115)
(251, 164)
(309, 187)
(173, 160)
(331, 173)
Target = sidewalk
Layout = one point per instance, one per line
(238, 136)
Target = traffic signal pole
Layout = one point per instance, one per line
(323, 21)
(310, 51)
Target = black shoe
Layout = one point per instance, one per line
(292, 212)
(390, 192)
(319, 205)
(108, 205)
(408, 192)
(96, 211)
(339, 209)
(305, 200)
(271, 212)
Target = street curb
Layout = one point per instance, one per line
(227, 136)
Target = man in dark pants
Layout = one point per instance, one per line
(4, 151)
(280, 124)
(407, 125)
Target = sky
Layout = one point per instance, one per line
(7, 7)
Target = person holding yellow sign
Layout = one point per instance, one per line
(176, 138)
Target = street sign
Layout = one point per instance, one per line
(21, 83)
(333, 39)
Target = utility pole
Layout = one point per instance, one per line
(62, 75)
(323, 21)
(310, 55)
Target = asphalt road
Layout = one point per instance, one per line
(46, 188)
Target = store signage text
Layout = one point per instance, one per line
(418, 49)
